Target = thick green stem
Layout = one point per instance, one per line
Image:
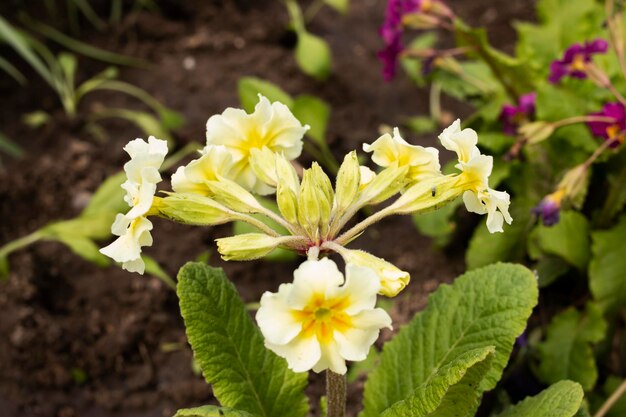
(20, 243)
(335, 394)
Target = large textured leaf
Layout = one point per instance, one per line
(211, 411)
(485, 307)
(562, 399)
(451, 391)
(568, 239)
(607, 269)
(229, 348)
(566, 353)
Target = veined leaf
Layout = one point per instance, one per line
(211, 411)
(607, 269)
(315, 112)
(249, 89)
(483, 308)
(313, 55)
(451, 391)
(568, 239)
(566, 353)
(562, 399)
(230, 349)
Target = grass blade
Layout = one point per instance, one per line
(9, 147)
(85, 49)
(7, 67)
(89, 13)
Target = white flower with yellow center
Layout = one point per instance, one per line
(475, 171)
(133, 228)
(318, 322)
(271, 125)
(422, 162)
(215, 162)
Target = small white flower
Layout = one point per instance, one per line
(215, 162)
(475, 171)
(271, 125)
(494, 203)
(133, 234)
(133, 228)
(142, 173)
(463, 142)
(318, 322)
(422, 162)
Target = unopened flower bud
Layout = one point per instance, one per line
(309, 205)
(387, 183)
(427, 194)
(234, 196)
(348, 183)
(193, 209)
(287, 203)
(263, 164)
(366, 176)
(392, 279)
(249, 246)
(326, 195)
(536, 132)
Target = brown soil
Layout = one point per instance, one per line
(82, 341)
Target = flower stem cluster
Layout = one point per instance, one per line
(320, 320)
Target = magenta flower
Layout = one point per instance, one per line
(512, 116)
(575, 60)
(549, 209)
(391, 32)
(614, 131)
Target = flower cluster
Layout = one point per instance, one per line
(321, 319)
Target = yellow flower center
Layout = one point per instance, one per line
(578, 63)
(613, 131)
(322, 317)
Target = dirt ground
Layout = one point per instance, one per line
(77, 340)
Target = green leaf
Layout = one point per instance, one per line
(421, 124)
(19, 43)
(249, 89)
(109, 197)
(9, 147)
(486, 248)
(150, 125)
(549, 269)
(211, 411)
(230, 348)
(562, 399)
(10, 69)
(607, 269)
(85, 248)
(512, 73)
(483, 308)
(439, 224)
(94, 226)
(153, 268)
(567, 352)
(451, 391)
(313, 55)
(495, 142)
(85, 49)
(4, 267)
(340, 5)
(568, 239)
(315, 112)
(365, 366)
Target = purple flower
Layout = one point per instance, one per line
(614, 131)
(391, 32)
(575, 59)
(512, 116)
(549, 209)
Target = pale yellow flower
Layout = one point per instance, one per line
(318, 322)
(422, 162)
(271, 125)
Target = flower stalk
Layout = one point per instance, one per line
(336, 394)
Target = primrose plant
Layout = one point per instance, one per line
(442, 362)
